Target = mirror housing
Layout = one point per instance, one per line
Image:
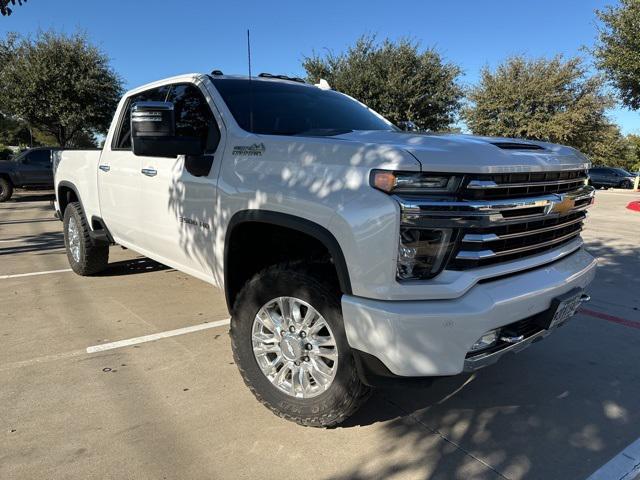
(153, 132)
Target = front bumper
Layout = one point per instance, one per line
(433, 337)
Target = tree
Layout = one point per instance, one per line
(396, 79)
(61, 85)
(633, 157)
(551, 100)
(618, 49)
(5, 10)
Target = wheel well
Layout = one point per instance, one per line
(252, 246)
(6, 177)
(66, 195)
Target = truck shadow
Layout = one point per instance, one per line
(560, 409)
(133, 267)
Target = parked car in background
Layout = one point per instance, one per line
(29, 169)
(606, 177)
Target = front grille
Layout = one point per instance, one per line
(490, 245)
(520, 185)
(504, 217)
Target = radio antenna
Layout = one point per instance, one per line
(250, 83)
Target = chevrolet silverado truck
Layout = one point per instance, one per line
(30, 169)
(352, 254)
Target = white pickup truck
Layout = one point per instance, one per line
(352, 254)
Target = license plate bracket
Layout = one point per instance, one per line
(562, 309)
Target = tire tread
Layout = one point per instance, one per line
(360, 392)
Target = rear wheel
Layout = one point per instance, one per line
(6, 189)
(289, 344)
(84, 257)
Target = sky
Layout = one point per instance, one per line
(149, 40)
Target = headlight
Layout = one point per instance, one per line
(412, 182)
(421, 252)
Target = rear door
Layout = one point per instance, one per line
(120, 176)
(178, 194)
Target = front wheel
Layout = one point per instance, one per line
(84, 257)
(289, 344)
(627, 184)
(6, 189)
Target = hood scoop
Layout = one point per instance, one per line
(517, 146)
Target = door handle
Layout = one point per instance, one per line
(149, 172)
(104, 168)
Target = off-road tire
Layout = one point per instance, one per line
(93, 258)
(6, 190)
(307, 282)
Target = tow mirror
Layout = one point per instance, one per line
(153, 132)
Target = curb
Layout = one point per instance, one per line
(635, 206)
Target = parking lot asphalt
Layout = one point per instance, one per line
(176, 408)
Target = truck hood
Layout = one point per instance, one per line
(474, 154)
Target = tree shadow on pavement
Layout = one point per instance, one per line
(33, 196)
(32, 243)
(558, 410)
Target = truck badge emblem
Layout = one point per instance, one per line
(565, 205)
(255, 150)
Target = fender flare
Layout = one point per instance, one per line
(72, 187)
(294, 223)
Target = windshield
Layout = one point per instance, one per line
(282, 108)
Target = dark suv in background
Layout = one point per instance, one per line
(606, 177)
(29, 169)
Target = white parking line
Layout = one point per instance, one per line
(18, 275)
(156, 336)
(624, 466)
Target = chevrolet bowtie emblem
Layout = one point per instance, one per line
(565, 205)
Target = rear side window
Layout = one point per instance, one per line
(122, 140)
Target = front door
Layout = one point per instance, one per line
(179, 194)
(120, 176)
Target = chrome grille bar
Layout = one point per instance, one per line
(492, 237)
(483, 184)
(486, 213)
(483, 254)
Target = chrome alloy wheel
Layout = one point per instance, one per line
(73, 233)
(294, 347)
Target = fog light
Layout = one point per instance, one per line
(485, 341)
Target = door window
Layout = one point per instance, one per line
(122, 141)
(193, 116)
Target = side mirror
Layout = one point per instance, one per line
(408, 126)
(153, 132)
